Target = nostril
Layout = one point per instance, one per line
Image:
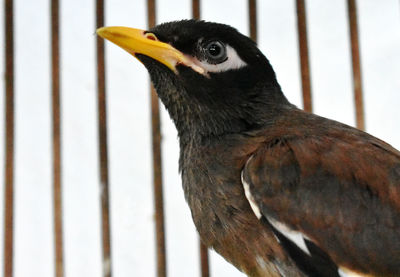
(150, 36)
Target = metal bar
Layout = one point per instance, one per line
(253, 19)
(157, 166)
(9, 136)
(57, 197)
(204, 261)
(304, 60)
(355, 54)
(102, 123)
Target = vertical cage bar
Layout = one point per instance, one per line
(9, 139)
(253, 19)
(304, 60)
(196, 9)
(204, 261)
(355, 55)
(102, 123)
(157, 165)
(55, 86)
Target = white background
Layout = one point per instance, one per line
(133, 248)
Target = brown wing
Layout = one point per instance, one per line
(342, 194)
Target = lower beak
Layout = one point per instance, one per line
(137, 41)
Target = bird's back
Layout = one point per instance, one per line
(341, 189)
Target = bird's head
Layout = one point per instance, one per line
(212, 79)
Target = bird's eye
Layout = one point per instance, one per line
(215, 52)
(215, 56)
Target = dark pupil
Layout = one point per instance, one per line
(214, 49)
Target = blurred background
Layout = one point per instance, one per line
(129, 131)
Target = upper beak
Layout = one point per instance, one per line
(137, 41)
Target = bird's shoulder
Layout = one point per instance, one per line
(314, 145)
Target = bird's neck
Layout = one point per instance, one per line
(200, 121)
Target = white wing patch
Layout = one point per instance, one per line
(233, 61)
(296, 237)
(344, 272)
(250, 197)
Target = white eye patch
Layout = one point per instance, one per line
(232, 61)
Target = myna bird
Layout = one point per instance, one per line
(275, 190)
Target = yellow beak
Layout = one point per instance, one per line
(136, 41)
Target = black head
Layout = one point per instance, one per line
(221, 84)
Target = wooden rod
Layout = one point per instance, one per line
(304, 59)
(204, 261)
(253, 19)
(102, 123)
(355, 55)
(196, 9)
(9, 139)
(55, 87)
